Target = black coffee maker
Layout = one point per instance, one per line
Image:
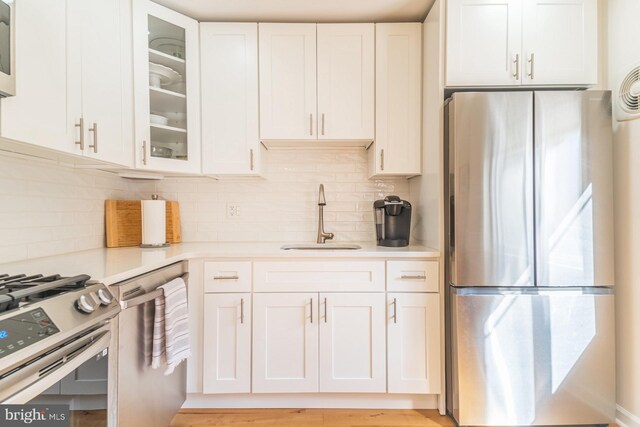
(393, 221)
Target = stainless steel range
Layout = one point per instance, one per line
(55, 335)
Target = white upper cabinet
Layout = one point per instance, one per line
(397, 148)
(288, 81)
(484, 40)
(107, 79)
(74, 90)
(521, 42)
(167, 89)
(346, 81)
(560, 42)
(46, 108)
(413, 342)
(352, 343)
(229, 85)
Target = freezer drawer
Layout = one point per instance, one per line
(537, 357)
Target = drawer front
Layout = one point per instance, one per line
(320, 276)
(412, 276)
(227, 276)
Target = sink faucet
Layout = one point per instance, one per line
(322, 202)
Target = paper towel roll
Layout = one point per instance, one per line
(154, 222)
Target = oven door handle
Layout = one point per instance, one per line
(56, 366)
(144, 298)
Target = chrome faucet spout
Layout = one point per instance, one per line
(322, 202)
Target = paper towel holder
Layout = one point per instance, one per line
(160, 246)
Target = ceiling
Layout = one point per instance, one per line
(302, 10)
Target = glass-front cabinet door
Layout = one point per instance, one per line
(166, 67)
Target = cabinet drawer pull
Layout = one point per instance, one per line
(311, 303)
(517, 63)
(325, 310)
(234, 277)
(80, 142)
(241, 310)
(531, 61)
(395, 311)
(413, 277)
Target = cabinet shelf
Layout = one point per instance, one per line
(176, 64)
(166, 101)
(168, 134)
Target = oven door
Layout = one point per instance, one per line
(76, 374)
(7, 48)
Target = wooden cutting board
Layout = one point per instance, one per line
(123, 222)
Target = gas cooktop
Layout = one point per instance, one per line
(40, 312)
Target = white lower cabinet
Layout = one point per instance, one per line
(413, 343)
(285, 343)
(227, 343)
(352, 342)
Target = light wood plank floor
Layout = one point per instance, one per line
(309, 418)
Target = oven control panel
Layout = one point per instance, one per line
(24, 329)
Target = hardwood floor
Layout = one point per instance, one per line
(309, 418)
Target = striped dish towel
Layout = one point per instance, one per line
(171, 327)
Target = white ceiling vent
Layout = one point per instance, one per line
(628, 101)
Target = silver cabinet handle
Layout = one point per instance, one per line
(311, 303)
(382, 159)
(322, 123)
(531, 61)
(234, 277)
(325, 310)
(80, 142)
(395, 311)
(517, 64)
(94, 129)
(241, 310)
(144, 152)
(414, 277)
(251, 159)
(311, 124)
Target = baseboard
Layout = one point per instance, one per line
(314, 400)
(625, 418)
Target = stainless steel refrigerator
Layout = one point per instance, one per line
(529, 264)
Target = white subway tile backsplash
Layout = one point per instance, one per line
(48, 209)
(283, 207)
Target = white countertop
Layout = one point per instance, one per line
(114, 265)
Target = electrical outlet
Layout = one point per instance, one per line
(233, 211)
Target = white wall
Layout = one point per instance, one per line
(46, 209)
(624, 49)
(283, 207)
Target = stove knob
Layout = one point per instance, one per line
(105, 297)
(85, 304)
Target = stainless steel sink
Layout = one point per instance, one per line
(320, 246)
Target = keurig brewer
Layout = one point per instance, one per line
(393, 221)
